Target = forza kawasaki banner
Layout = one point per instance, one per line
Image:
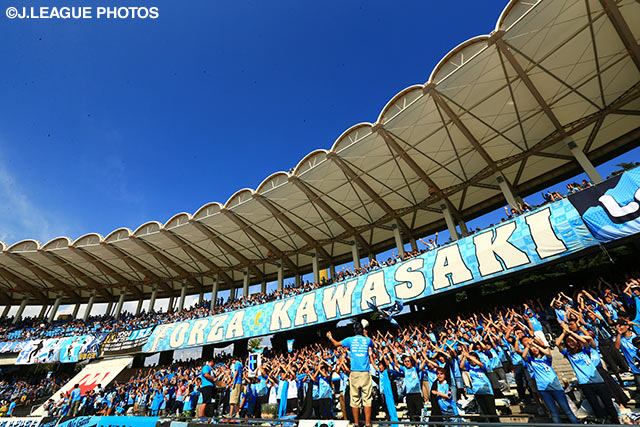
(534, 238)
(611, 209)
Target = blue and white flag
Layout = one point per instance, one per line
(290, 345)
(255, 360)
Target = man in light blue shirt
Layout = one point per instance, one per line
(75, 398)
(360, 384)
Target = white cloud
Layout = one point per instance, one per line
(20, 217)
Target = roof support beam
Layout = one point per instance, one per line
(107, 270)
(26, 286)
(367, 189)
(73, 271)
(259, 237)
(188, 249)
(504, 50)
(219, 241)
(163, 259)
(389, 138)
(317, 200)
(623, 30)
(580, 157)
(277, 213)
(136, 266)
(35, 269)
(463, 129)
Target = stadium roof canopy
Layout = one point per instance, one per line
(504, 104)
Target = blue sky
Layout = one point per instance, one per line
(105, 124)
(112, 123)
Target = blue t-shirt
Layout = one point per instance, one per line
(584, 366)
(324, 388)
(448, 406)
(545, 376)
(75, 394)
(206, 369)
(359, 352)
(237, 372)
(537, 326)
(411, 380)
(630, 353)
(480, 383)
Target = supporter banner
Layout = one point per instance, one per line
(534, 238)
(98, 372)
(611, 209)
(49, 421)
(125, 341)
(12, 346)
(127, 421)
(20, 422)
(108, 422)
(65, 350)
(79, 422)
(92, 350)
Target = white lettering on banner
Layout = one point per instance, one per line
(306, 312)
(449, 268)
(374, 290)
(20, 422)
(411, 281)
(280, 316)
(176, 339)
(235, 329)
(338, 297)
(160, 333)
(613, 208)
(196, 335)
(544, 237)
(495, 244)
(217, 328)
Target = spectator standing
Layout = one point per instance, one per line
(360, 384)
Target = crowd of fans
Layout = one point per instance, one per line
(18, 389)
(460, 365)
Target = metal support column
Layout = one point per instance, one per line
(263, 287)
(448, 218)
(506, 191)
(152, 301)
(355, 253)
(139, 307)
(584, 162)
(315, 267)
(54, 309)
(245, 282)
(280, 276)
(183, 294)
(23, 305)
(5, 312)
(123, 293)
(76, 309)
(87, 311)
(398, 237)
(214, 291)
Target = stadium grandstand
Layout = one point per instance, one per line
(533, 319)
